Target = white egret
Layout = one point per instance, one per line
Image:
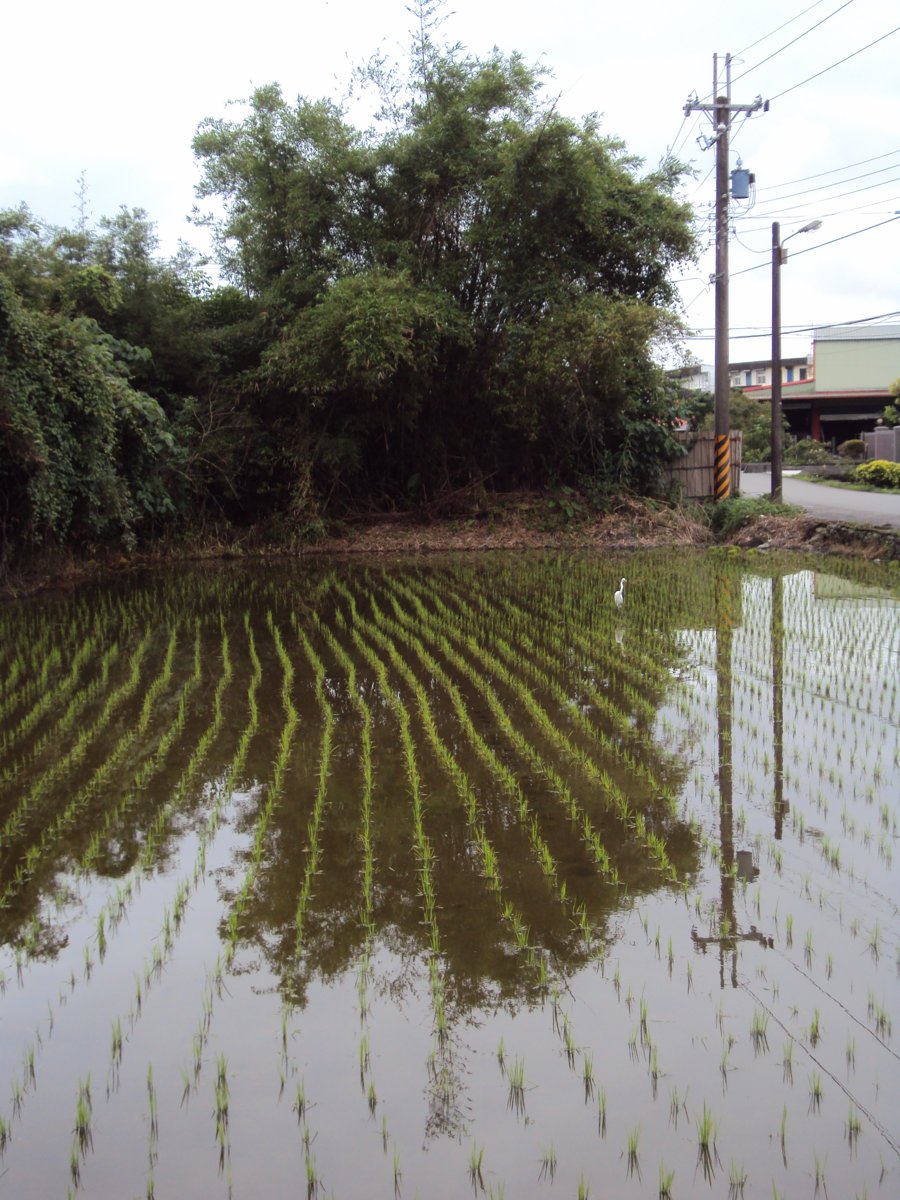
(620, 595)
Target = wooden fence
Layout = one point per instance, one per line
(694, 475)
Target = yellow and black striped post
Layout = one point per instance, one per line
(723, 466)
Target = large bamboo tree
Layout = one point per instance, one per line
(470, 289)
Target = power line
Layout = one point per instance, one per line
(823, 187)
(838, 212)
(772, 32)
(820, 245)
(765, 330)
(824, 70)
(844, 236)
(775, 206)
(798, 38)
(863, 162)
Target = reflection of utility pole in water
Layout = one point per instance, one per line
(725, 715)
(727, 937)
(778, 701)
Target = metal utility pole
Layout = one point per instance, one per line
(721, 110)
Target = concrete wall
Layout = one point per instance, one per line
(883, 443)
(857, 365)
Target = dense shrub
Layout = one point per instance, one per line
(854, 448)
(808, 452)
(878, 473)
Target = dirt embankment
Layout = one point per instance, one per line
(633, 525)
(521, 523)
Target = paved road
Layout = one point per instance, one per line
(827, 503)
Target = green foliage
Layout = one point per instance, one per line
(891, 412)
(80, 449)
(470, 293)
(878, 473)
(854, 448)
(808, 452)
(728, 516)
(754, 418)
(471, 290)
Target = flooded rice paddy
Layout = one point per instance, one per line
(448, 877)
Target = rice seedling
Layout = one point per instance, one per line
(815, 1091)
(819, 1174)
(476, 1157)
(548, 1164)
(299, 1105)
(515, 1076)
(631, 1147)
(666, 1179)
(153, 1118)
(83, 1116)
(787, 1061)
(707, 1128)
(758, 1028)
(854, 1125)
(815, 1031)
(587, 1076)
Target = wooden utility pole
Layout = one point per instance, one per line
(721, 110)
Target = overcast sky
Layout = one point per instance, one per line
(117, 90)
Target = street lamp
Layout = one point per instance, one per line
(779, 256)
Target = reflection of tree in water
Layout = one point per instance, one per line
(481, 964)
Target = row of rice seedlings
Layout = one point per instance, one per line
(29, 661)
(49, 698)
(560, 788)
(57, 826)
(481, 841)
(520, 664)
(313, 850)
(499, 771)
(423, 848)
(613, 795)
(85, 738)
(519, 628)
(70, 719)
(312, 1179)
(273, 791)
(572, 617)
(511, 679)
(366, 908)
(366, 912)
(160, 752)
(174, 912)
